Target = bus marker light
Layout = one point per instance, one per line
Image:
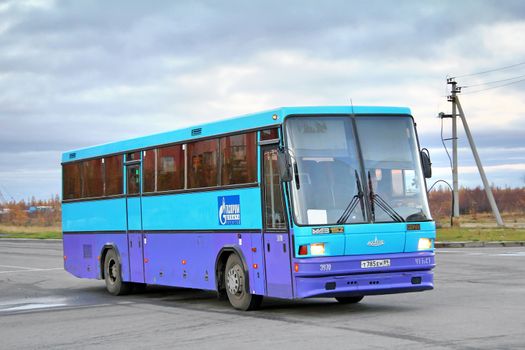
(254, 250)
(317, 248)
(303, 250)
(275, 117)
(183, 262)
(65, 257)
(255, 266)
(146, 260)
(98, 258)
(296, 267)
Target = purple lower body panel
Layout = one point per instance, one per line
(350, 275)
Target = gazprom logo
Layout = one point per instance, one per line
(229, 210)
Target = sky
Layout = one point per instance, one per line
(80, 73)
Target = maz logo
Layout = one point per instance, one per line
(375, 243)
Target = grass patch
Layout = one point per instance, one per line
(480, 234)
(38, 232)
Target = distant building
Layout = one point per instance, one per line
(40, 209)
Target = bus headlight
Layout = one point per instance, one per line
(424, 244)
(317, 249)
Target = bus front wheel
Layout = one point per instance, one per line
(113, 275)
(349, 300)
(235, 282)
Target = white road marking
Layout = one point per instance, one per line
(32, 307)
(18, 267)
(31, 304)
(32, 270)
(521, 254)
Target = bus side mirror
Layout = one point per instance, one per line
(285, 165)
(426, 163)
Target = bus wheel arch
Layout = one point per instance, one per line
(103, 252)
(111, 271)
(220, 267)
(232, 279)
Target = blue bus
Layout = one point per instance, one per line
(295, 202)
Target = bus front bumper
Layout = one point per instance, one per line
(346, 275)
(364, 284)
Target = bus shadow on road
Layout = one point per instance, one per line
(207, 300)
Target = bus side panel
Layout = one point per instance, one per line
(257, 275)
(82, 253)
(188, 259)
(87, 227)
(200, 211)
(80, 256)
(98, 215)
(184, 236)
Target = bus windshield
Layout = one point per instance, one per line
(329, 182)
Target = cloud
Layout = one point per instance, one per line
(74, 74)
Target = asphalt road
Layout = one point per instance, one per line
(478, 303)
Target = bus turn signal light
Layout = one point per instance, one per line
(303, 250)
(296, 267)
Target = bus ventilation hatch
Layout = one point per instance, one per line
(87, 250)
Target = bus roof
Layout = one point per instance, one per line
(239, 123)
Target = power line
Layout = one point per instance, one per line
(490, 71)
(493, 82)
(494, 87)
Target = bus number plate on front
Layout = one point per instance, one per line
(365, 264)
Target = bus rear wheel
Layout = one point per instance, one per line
(113, 275)
(349, 300)
(235, 282)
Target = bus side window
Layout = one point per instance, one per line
(113, 179)
(92, 178)
(269, 134)
(72, 185)
(238, 159)
(133, 179)
(202, 163)
(274, 214)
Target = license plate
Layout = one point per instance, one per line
(365, 264)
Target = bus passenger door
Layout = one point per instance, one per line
(276, 236)
(134, 220)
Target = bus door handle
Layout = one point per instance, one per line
(268, 245)
(284, 247)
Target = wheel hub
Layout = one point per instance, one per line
(235, 280)
(112, 271)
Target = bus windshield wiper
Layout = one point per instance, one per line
(381, 203)
(353, 203)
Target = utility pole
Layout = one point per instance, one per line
(456, 106)
(2, 198)
(455, 182)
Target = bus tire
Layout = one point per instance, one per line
(113, 275)
(349, 300)
(235, 283)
